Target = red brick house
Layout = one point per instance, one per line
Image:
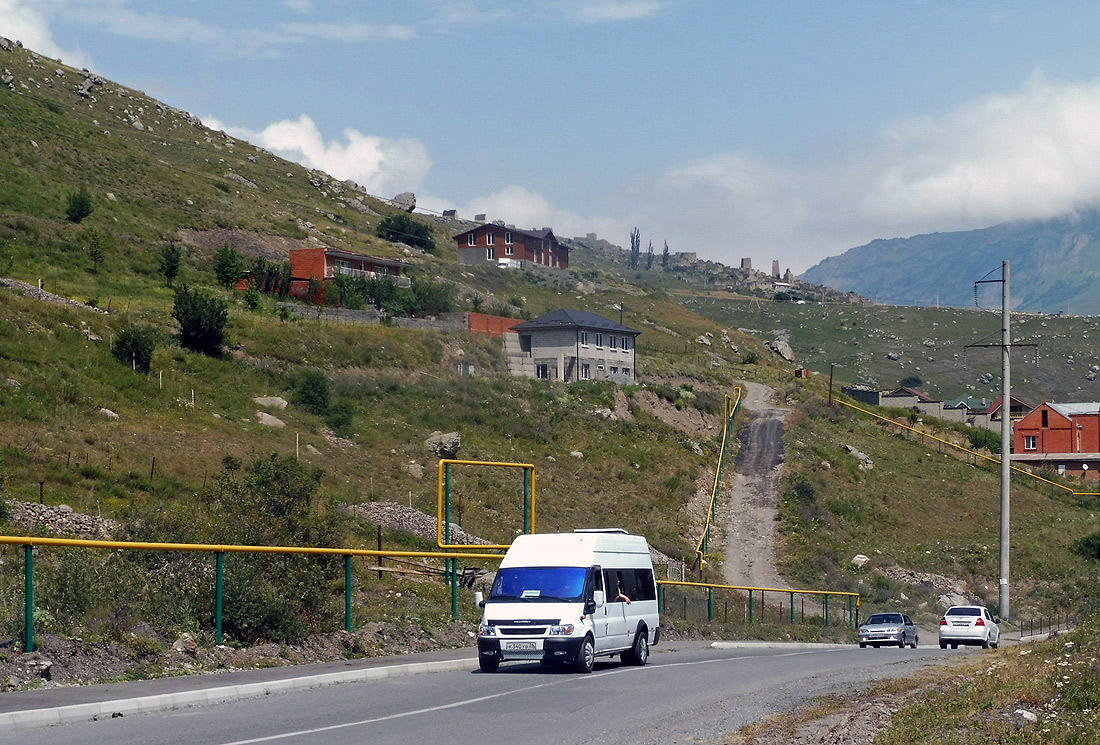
(1063, 437)
(500, 245)
(324, 264)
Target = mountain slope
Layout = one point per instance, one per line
(1055, 265)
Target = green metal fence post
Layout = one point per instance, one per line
(710, 605)
(660, 598)
(454, 589)
(347, 593)
(851, 616)
(826, 610)
(28, 598)
(750, 606)
(218, 598)
(792, 607)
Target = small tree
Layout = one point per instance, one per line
(664, 257)
(649, 256)
(134, 345)
(170, 255)
(401, 228)
(96, 250)
(202, 320)
(78, 205)
(635, 247)
(228, 265)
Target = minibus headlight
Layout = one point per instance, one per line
(486, 630)
(563, 630)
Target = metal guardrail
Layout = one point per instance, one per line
(30, 542)
(852, 597)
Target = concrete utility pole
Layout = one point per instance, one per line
(1006, 441)
(1006, 432)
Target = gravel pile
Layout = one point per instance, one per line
(408, 520)
(61, 520)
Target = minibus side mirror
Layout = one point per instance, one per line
(479, 599)
(598, 599)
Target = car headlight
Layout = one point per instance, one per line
(563, 630)
(486, 630)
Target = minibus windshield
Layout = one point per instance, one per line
(538, 584)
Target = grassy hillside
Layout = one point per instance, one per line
(188, 458)
(937, 345)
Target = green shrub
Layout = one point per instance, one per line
(202, 320)
(78, 205)
(401, 228)
(311, 390)
(252, 299)
(134, 346)
(750, 358)
(1088, 547)
(339, 417)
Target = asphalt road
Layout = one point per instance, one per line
(690, 692)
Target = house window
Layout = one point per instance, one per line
(582, 337)
(509, 250)
(599, 340)
(626, 371)
(586, 371)
(489, 239)
(542, 372)
(614, 371)
(471, 240)
(626, 343)
(1045, 424)
(508, 237)
(489, 253)
(1061, 469)
(611, 341)
(1030, 442)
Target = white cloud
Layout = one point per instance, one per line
(604, 11)
(1034, 153)
(383, 167)
(346, 32)
(21, 22)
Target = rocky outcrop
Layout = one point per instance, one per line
(408, 520)
(61, 520)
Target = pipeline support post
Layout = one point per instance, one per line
(28, 598)
(218, 566)
(347, 593)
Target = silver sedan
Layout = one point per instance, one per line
(892, 629)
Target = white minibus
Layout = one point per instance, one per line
(566, 598)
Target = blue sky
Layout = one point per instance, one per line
(770, 130)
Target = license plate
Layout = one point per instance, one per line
(521, 646)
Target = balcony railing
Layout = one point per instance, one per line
(332, 271)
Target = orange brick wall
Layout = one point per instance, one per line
(479, 323)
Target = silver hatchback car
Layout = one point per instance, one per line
(892, 629)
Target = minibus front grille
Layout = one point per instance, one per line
(522, 631)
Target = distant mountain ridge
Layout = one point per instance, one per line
(1054, 266)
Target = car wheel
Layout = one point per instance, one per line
(985, 643)
(943, 645)
(916, 641)
(862, 645)
(997, 643)
(639, 653)
(488, 664)
(901, 644)
(586, 656)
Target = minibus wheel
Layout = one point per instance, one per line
(488, 664)
(586, 656)
(638, 654)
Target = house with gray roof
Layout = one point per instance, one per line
(572, 345)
